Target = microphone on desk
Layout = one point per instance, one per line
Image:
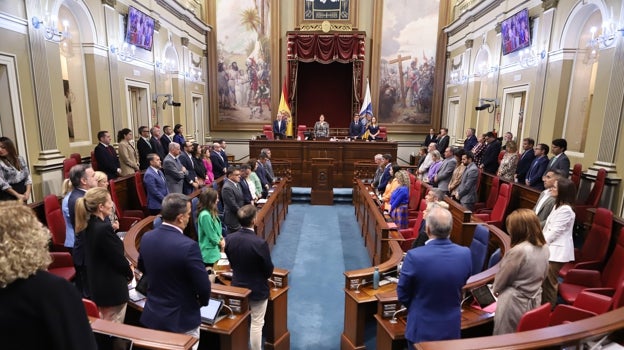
(393, 320)
(357, 287)
(231, 315)
(274, 284)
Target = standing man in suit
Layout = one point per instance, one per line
(560, 161)
(247, 195)
(443, 177)
(223, 145)
(279, 127)
(157, 146)
(268, 165)
(190, 178)
(263, 174)
(431, 137)
(218, 162)
(467, 189)
(106, 156)
(524, 164)
(174, 171)
(538, 167)
(471, 140)
(379, 171)
(251, 263)
(443, 140)
(431, 282)
(167, 137)
(82, 178)
(489, 161)
(155, 184)
(144, 146)
(386, 164)
(178, 282)
(355, 128)
(232, 197)
(546, 201)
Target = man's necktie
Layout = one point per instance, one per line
(110, 150)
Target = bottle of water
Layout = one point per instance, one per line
(376, 278)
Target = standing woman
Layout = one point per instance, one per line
(321, 127)
(102, 181)
(209, 234)
(15, 180)
(253, 177)
(178, 136)
(393, 184)
(108, 271)
(399, 200)
(509, 163)
(435, 166)
(477, 150)
(558, 234)
(518, 282)
(373, 129)
(198, 164)
(205, 157)
(128, 158)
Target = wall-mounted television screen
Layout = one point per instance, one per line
(139, 29)
(516, 32)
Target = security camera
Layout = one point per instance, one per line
(483, 106)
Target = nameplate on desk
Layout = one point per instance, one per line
(135, 295)
(261, 201)
(388, 310)
(278, 281)
(223, 262)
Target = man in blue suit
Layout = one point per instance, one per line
(155, 184)
(279, 127)
(526, 159)
(431, 281)
(538, 167)
(355, 128)
(178, 284)
(386, 164)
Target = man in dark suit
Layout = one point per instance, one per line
(489, 161)
(223, 145)
(279, 127)
(247, 195)
(157, 146)
(355, 128)
(267, 164)
(560, 161)
(218, 162)
(524, 163)
(106, 156)
(177, 279)
(263, 174)
(251, 263)
(471, 140)
(144, 147)
(467, 189)
(82, 178)
(232, 198)
(173, 169)
(167, 137)
(431, 281)
(190, 178)
(386, 164)
(443, 140)
(155, 184)
(538, 167)
(431, 137)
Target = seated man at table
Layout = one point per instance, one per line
(431, 281)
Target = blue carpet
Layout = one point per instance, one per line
(317, 244)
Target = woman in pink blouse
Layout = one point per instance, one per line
(205, 156)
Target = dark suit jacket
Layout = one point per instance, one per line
(107, 267)
(247, 197)
(281, 129)
(562, 164)
(144, 148)
(78, 253)
(355, 129)
(218, 163)
(524, 164)
(165, 141)
(385, 178)
(469, 143)
(443, 142)
(250, 260)
(190, 175)
(429, 139)
(178, 283)
(107, 160)
(536, 171)
(433, 295)
(225, 159)
(490, 157)
(158, 148)
(155, 187)
(264, 176)
(232, 197)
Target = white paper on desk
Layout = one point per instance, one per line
(135, 295)
(223, 262)
(261, 201)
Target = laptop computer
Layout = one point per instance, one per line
(210, 312)
(483, 295)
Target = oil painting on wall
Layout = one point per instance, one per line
(407, 62)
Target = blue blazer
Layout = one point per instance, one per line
(355, 129)
(385, 177)
(156, 188)
(536, 171)
(524, 164)
(430, 286)
(279, 129)
(178, 283)
(187, 162)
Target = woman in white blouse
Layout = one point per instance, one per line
(558, 234)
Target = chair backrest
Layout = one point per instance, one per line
(495, 257)
(301, 129)
(596, 192)
(138, 183)
(94, 163)
(267, 130)
(566, 313)
(613, 273)
(414, 198)
(597, 241)
(478, 248)
(115, 198)
(534, 319)
(500, 207)
(593, 302)
(479, 179)
(491, 200)
(576, 175)
(90, 308)
(68, 163)
(413, 234)
(383, 132)
(55, 221)
(618, 297)
(77, 157)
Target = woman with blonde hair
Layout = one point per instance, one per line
(524, 267)
(108, 271)
(46, 308)
(399, 200)
(102, 181)
(509, 163)
(393, 184)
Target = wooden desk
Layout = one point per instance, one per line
(272, 214)
(300, 154)
(144, 338)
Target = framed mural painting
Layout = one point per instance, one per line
(245, 65)
(405, 65)
(326, 15)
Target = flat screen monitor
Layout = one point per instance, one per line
(516, 32)
(139, 29)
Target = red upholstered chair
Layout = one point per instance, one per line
(267, 130)
(485, 207)
(497, 215)
(410, 234)
(140, 189)
(91, 308)
(68, 163)
(301, 129)
(127, 218)
(594, 249)
(534, 319)
(383, 133)
(77, 157)
(62, 265)
(577, 170)
(55, 222)
(580, 209)
(94, 163)
(414, 199)
(479, 179)
(566, 313)
(607, 281)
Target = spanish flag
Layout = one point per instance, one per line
(284, 109)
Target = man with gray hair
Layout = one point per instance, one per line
(218, 162)
(173, 169)
(433, 294)
(268, 165)
(177, 279)
(379, 170)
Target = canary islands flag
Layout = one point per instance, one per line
(284, 109)
(367, 104)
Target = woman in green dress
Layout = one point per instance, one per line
(209, 227)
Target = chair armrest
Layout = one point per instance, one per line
(60, 259)
(588, 278)
(479, 206)
(589, 265)
(563, 313)
(483, 217)
(126, 222)
(134, 213)
(484, 211)
(610, 292)
(593, 302)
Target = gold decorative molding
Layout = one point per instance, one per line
(317, 27)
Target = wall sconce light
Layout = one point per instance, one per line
(605, 39)
(193, 74)
(124, 53)
(458, 77)
(166, 66)
(50, 32)
(530, 57)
